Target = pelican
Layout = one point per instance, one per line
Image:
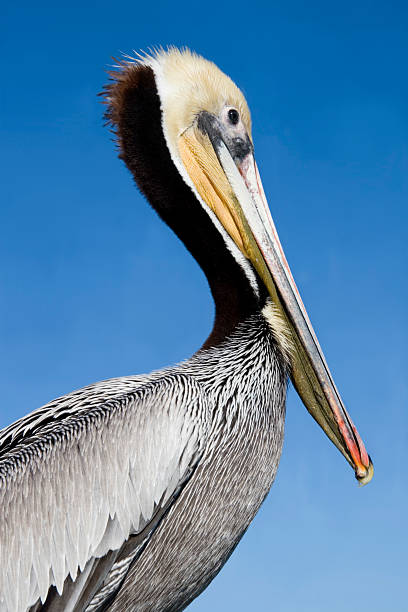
(131, 493)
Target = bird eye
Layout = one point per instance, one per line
(233, 116)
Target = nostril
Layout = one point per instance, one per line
(239, 144)
(239, 148)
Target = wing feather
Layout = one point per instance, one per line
(75, 484)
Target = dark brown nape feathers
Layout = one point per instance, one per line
(134, 114)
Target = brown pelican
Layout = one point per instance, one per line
(131, 494)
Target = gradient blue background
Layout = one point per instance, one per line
(93, 285)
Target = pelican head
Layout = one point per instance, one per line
(204, 125)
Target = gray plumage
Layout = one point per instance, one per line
(166, 470)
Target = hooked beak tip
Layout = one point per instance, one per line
(364, 476)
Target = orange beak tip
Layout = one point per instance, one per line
(365, 476)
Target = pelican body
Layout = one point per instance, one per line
(131, 494)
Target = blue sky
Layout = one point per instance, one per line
(93, 285)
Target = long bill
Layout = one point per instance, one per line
(233, 191)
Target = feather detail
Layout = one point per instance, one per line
(79, 486)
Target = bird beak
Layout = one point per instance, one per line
(231, 187)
